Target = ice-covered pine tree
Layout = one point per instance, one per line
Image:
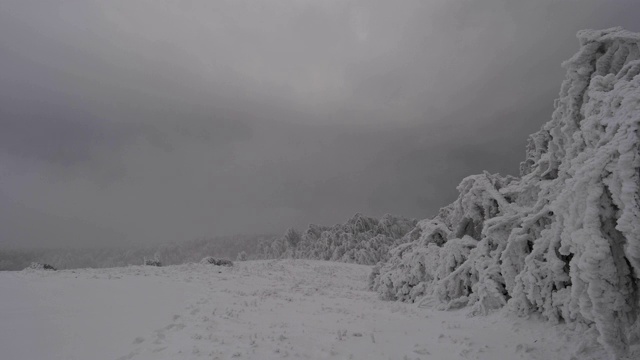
(563, 239)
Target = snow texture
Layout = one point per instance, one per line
(361, 240)
(563, 239)
(267, 309)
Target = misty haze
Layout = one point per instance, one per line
(335, 179)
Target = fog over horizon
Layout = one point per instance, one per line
(141, 122)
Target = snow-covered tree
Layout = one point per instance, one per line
(563, 239)
(242, 256)
(362, 240)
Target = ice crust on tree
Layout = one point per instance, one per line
(362, 240)
(563, 239)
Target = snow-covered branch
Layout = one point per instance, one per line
(563, 240)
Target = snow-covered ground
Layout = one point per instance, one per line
(294, 309)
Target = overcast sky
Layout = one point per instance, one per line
(133, 122)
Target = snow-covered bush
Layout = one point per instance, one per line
(362, 240)
(152, 262)
(40, 266)
(217, 262)
(563, 240)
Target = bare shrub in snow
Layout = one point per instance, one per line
(217, 262)
(563, 239)
(153, 262)
(40, 266)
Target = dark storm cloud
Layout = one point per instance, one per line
(138, 121)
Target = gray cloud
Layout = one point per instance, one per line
(139, 121)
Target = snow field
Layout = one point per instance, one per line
(284, 309)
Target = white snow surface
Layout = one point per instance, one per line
(267, 309)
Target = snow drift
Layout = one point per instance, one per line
(563, 239)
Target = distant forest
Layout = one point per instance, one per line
(169, 254)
